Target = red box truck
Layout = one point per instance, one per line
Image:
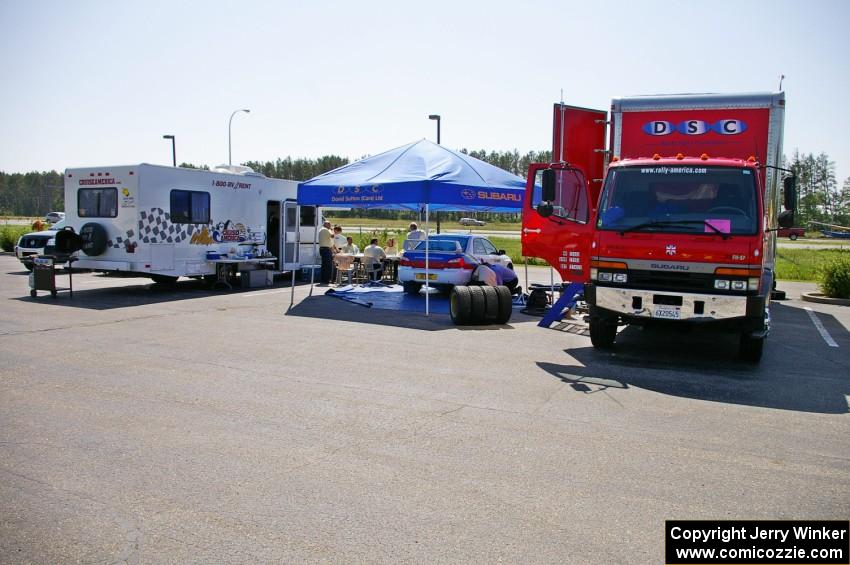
(675, 221)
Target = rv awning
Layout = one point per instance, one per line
(414, 175)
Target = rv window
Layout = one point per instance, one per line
(308, 216)
(190, 207)
(97, 202)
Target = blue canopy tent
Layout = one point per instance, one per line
(416, 176)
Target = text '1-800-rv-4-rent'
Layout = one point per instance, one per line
(161, 221)
(679, 225)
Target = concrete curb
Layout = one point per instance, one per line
(821, 299)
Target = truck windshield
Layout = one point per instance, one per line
(710, 200)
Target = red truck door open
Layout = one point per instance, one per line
(563, 238)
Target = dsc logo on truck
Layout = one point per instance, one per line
(695, 127)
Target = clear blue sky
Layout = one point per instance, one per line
(99, 83)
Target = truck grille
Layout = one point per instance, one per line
(679, 282)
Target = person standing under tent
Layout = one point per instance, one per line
(339, 239)
(326, 252)
(414, 236)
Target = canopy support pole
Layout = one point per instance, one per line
(315, 243)
(427, 277)
(297, 255)
(525, 260)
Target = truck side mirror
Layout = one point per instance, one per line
(789, 192)
(548, 185)
(545, 209)
(786, 219)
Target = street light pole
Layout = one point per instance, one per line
(173, 149)
(229, 128)
(436, 117)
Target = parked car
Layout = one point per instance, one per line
(53, 217)
(471, 222)
(791, 233)
(451, 260)
(31, 245)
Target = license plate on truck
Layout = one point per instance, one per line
(667, 312)
(421, 276)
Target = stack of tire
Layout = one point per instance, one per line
(480, 305)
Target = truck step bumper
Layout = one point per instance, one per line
(670, 305)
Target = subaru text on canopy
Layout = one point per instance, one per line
(683, 229)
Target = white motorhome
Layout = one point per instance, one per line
(162, 221)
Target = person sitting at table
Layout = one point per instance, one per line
(350, 248)
(373, 257)
(392, 251)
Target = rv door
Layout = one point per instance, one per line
(289, 236)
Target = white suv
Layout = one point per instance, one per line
(31, 245)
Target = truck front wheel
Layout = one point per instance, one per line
(750, 348)
(603, 330)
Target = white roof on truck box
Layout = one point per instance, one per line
(698, 101)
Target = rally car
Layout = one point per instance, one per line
(451, 260)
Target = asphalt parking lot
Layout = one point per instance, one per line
(141, 424)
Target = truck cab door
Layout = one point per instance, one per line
(558, 226)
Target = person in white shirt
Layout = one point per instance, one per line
(350, 248)
(373, 256)
(391, 249)
(414, 236)
(485, 274)
(339, 239)
(326, 252)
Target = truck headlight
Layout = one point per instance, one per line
(620, 277)
(721, 284)
(739, 285)
(605, 277)
(593, 273)
(753, 283)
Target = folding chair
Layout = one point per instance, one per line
(372, 270)
(344, 268)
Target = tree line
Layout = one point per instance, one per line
(821, 199)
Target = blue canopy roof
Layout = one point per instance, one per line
(413, 175)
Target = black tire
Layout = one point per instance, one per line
(28, 266)
(603, 330)
(478, 306)
(33, 293)
(750, 348)
(460, 305)
(491, 304)
(793, 237)
(94, 239)
(412, 287)
(164, 279)
(506, 304)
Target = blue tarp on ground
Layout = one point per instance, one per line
(390, 297)
(411, 176)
